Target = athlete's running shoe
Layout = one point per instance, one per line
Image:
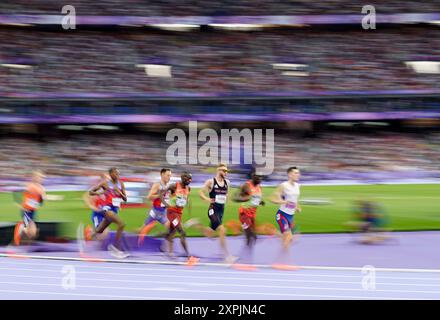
(115, 252)
(88, 233)
(192, 261)
(230, 259)
(17, 233)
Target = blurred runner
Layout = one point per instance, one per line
(178, 199)
(33, 197)
(287, 195)
(111, 193)
(158, 212)
(93, 202)
(215, 192)
(251, 196)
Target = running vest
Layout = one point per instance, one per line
(291, 195)
(219, 193)
(32, 197)
(251, 205)
(116, 198)
(180, 198)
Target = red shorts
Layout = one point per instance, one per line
(175, 218)
(247, 220)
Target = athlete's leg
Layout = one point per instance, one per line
(102, 226)
(114, 218)
(183, 239)
(31, 230)
(169, 238)
(222, 236)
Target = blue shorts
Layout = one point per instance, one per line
(157, 215)
(114, 209)
(28, 216)
(284, 220)
(97, 217)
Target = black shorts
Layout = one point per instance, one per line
(215, 215)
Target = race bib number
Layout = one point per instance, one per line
(255, 201)
(180, 202)
(220, 198)
(116, 202)
(175, 222)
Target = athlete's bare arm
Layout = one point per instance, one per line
(94, 191)
(121, 192)
(276, 196)
(205, 190)
(154, 191)
(88, 201)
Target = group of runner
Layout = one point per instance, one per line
(168, 202)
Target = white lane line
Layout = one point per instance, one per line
(155, 275)
(86, 295)
(231, 284)
(220, 264)
(220, 292)
(101, 266)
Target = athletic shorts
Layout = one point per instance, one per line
(157, 215)
(247, 221)
(28, 216)
(97, 217)
(175, 219)
(114, 209)
(284, 220)
(215, 215)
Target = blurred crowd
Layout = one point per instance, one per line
(224, 7)
(139, 155)
(105, 61)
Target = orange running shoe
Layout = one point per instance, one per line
(17, 233)
(285, 267)
(192, 261)
(244, 267)
(88, 233)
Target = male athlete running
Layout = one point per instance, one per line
(94, 203)
(215, 192)
(33, 198)
(251, 196)
(113, 193)
(178, 199)
(158, 212)
(287, 195)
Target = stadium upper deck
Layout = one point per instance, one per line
(210, 8)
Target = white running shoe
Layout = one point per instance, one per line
(115, 252)
(230, 259)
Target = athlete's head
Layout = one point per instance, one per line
(293, 174)
(256, 178)
(186, 178)
(222, 170)
(38, 176)
(114, 173)
(165, 175)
